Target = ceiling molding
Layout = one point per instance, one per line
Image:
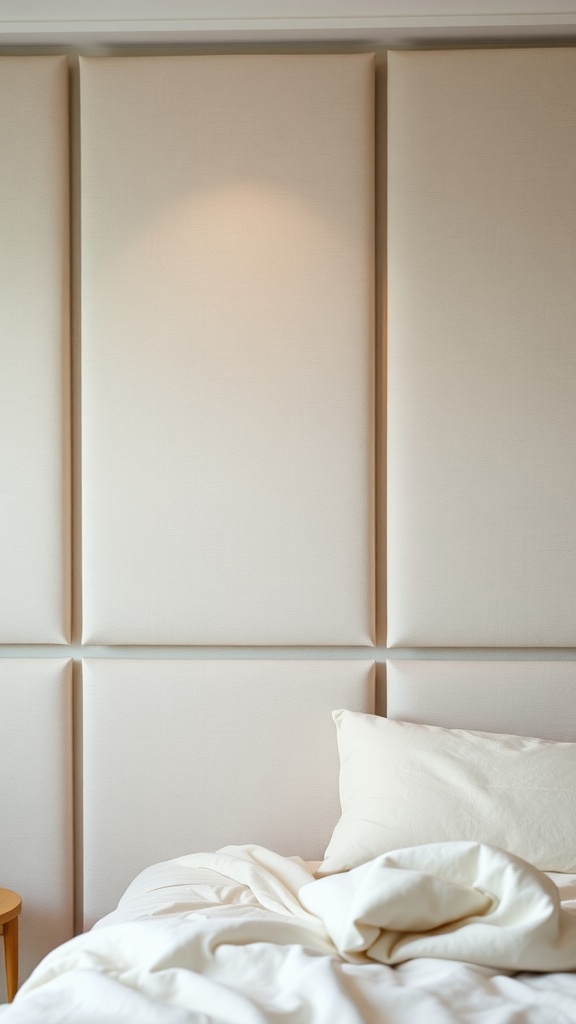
(379, 22)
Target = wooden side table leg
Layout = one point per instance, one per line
(10, 930)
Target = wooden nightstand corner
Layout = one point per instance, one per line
(10, 907)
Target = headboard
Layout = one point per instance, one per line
(187, 755)
(184, 755)
(525, 698)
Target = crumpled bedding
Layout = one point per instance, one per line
(450, 932)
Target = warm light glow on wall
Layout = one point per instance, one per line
(250, 248)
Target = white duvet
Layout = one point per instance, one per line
(428, 935)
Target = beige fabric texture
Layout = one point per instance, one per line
(529, 698)
(227, 305)
(36, 802)
(188, 756)
(404, 784)
(34, 417)
(482, 361)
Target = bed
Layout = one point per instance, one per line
(447, 889)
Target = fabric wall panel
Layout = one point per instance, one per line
(34, 442)
(36, 801)
(526, 698)
(482, 362)
(227, 302)
(182, 756)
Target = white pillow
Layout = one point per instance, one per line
(403, 784)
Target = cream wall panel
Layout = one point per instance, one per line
(227, 349)
(34, 441)
(482, 361)
(36, 802)
(183, 756)
(527, 698)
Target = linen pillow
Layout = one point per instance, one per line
(403, 784)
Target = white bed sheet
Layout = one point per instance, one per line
(163, 957)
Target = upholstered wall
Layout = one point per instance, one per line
(193, 532)
(209, 753)
(34, 390)
(222, 424)
(36, 840)
(482, 360)
(36, 804)
(227, 349)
